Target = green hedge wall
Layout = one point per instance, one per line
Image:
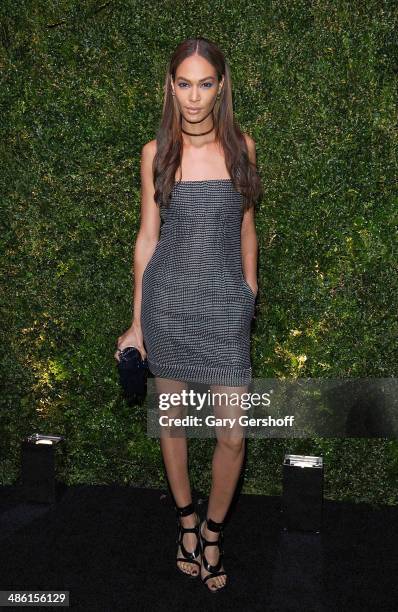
(81, 92)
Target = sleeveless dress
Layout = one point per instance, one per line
(196, 307)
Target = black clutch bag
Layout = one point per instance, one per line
(133, 373)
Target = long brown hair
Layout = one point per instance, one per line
(227, 132)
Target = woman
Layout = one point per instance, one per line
(195, 287)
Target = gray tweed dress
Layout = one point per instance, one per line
(196, 306)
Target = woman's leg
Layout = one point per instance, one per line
(226, 468)
(173, 443)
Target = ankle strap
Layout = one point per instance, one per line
(185, 510)
(213, 526)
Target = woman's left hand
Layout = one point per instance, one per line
(254, 289)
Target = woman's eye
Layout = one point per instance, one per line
(208, 83)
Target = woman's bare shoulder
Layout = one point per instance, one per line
(148, 152)
(249, 140)
(251, 147)
(149, 148)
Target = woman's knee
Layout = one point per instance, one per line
(233, 444)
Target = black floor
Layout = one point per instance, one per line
(113, 548)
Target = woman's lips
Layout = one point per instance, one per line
(193, 111)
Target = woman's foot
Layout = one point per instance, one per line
(190, 542)
(211, 554)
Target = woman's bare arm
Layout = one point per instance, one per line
(148, 234)
(147, 238)
(249, 243)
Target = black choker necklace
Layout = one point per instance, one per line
(202, 134)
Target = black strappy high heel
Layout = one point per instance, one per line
(189, 557)
(213, 569)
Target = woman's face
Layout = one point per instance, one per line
(196, 87)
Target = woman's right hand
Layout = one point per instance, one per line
(131, 337)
